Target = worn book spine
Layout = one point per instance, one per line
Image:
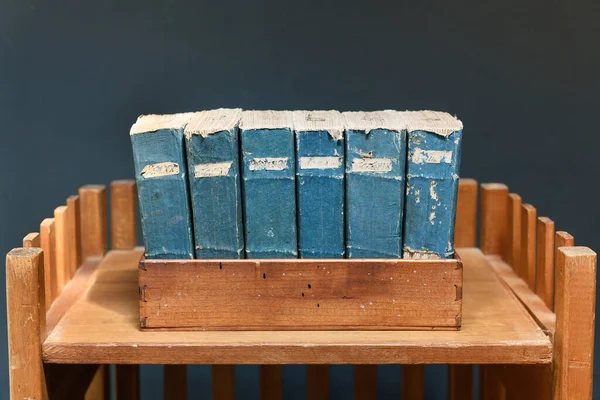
(215, 187)
(268, 177)
(320, 194)
(375, 167)
(162, 185)
(431, 192)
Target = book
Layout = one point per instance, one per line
(375, 183)
(434, 142)
(213, 170)
(162, 185)
(268, 184)
(320, 183)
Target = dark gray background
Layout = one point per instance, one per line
(521, 75)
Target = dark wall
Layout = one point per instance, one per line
(521, 75)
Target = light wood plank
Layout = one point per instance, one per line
(223, 382)
(545, 260)
(528, 243)
(74, 248)
(25, 320)
(123, 214)
(514, 232)
(271, 387)
(61, 222)
(413, 382)
(575, 315)
(494, 208)
(93, 221)
(365, 382)
(48, 243)
(128, 382)
(175, 382)
(465, 232)
(317, 382)
(460, 382)
(32, 240)
(103, 327)
(99, 388)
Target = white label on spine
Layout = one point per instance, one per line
(431, 156)
(160, 169)
(213, 169)
(374, 165)
(269, 164)
(320, 162)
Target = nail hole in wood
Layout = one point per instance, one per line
(220, 265)
(302, 294)
(318, 305)
(264, 275)
(309, 285)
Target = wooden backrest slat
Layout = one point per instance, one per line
(223, 382)
(123, 214)
(528, 243)
(31, 240)
(48, 244)
(74, 238)
(61, 233)
(465, 231)
(544, 286)
(493, 223)
(514, 232)
(93, 221)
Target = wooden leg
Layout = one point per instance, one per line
(26, 322)
(270, 382)
(575, 315)
(223, 382)
(175, 382)
(317, 382)
(460, 382)
(128, 382)
(413, 382)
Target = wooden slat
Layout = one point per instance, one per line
(26, 323)
(413, 382)
(175, 382)
(61, 239)
(460, 382)
(65, 381)
(365, 382)
(32, 240)
(494, 208)
(514, 232)
(490, 385)
(575, 315)
(48, 243)
(317, 382)
(74, 248)
(128, 382)
(465, 232)
(270, 382)
(99, 388)
(223, 382)
(524, 382)
(123, 214)
(528, 243)
(545, 260)
(93, 221)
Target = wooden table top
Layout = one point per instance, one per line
(102, 327)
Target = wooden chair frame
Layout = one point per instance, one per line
(553, 280)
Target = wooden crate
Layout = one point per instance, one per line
(301, 294)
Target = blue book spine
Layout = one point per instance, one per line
(375, 166)
(162, 186)
(268, 177)
(320, 194)
(216, 192)
(431, 192)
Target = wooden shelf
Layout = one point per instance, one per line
(102, 327)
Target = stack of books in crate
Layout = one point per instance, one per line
(230, 184)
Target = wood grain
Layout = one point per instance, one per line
(32, 240)
(575, 315)
(61, 239)
(300, 294)
(93, 221)
(561, 239)
(123, 214)
(465, 231)
(223, 382)
(25, 320)
(317, 382)
(528, 243)
(545, 261)
(128, 382)
(494, 206)
(103, 327)
(271, 382)
(175, 382)
(74, 236)
(460, 382)
(514, 232)
(48, 244)
(413, 382)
